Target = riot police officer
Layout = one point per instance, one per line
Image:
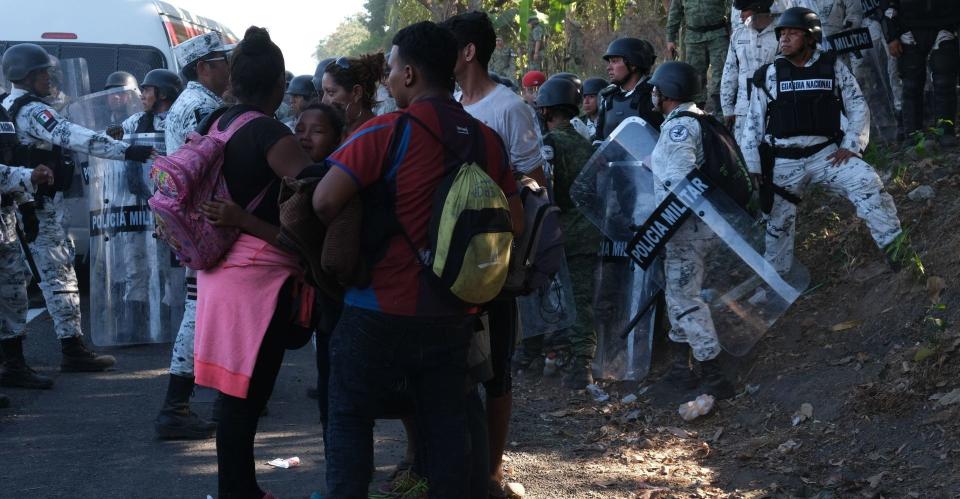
(795, 121)
(158, 91)
(678, 152)
(43, 137)
(577, 123)
(628, 66)
(752, 45)
(915, 31)
(591, 87)
(204, 66)
(302, 93)
(567, 151)
(118, 102)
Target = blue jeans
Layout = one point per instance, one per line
(374, 357)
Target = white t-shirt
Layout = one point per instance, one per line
(507, 114)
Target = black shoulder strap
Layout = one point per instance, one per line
(760, 80)
(21, 101)
(204, 123)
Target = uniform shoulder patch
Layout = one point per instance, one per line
(45, 118)
(679, 133)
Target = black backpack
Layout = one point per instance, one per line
(723, 162)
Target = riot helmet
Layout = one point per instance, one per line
(302, 85)
(593, 86)
(572, 77)
(121, 79)
(676, 80)
(19, 60)
(800, 18)
(318, 73)
(634, 51)
(287, 75)
(559, 92)
(576, 82)
(167, 83)
(754, 5)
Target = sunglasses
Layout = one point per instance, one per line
(342, 62)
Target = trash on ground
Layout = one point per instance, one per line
(292, 462)
(696, 408)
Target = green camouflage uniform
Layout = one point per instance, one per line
(705, 40)
(537, 34)
(570, 151)
(504, 62)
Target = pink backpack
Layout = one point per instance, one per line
(184, 180)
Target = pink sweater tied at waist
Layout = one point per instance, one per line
(237, 300)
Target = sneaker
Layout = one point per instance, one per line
(78, 358)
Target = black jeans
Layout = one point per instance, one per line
(375, 356)
(237, 427)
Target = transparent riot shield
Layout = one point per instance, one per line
(99, 110)
(615, 192)
(69, 81)
(872, 68)
(136, 286)
(551, 308)
(746, 295)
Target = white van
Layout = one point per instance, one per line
(111, 35)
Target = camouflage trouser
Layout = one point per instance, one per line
(181, 362)
(535, 63)
(710, 55)
(690, 318)
(855, 179)
(53, 254)
(14, 276)
(136, 267)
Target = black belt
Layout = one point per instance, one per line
(800, 152)
(707, 28)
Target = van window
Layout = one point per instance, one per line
(103, 59)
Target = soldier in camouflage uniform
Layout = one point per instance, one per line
(43, 136)
(567, 151)
(536, 44)
(752, 45)
(504, 60)
(14, 274)
(574, 48)
(705, 41)
(806, 142)
(679, 150)
(204, 62)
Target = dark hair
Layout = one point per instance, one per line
(366, 71)
(432, 49)
(333, 116)
(474, 27)
(189, 72)
(256, 66)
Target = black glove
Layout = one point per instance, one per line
(135, 183)
(31, 224)
(138, 153)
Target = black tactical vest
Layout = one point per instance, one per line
(618, 107)
(807, 102)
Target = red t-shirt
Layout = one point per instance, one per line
(418, 165)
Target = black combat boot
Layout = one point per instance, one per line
(680, 376)
(715, 382)
(176, 421)
(580, 375)
(78, 358)
(16, 373)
